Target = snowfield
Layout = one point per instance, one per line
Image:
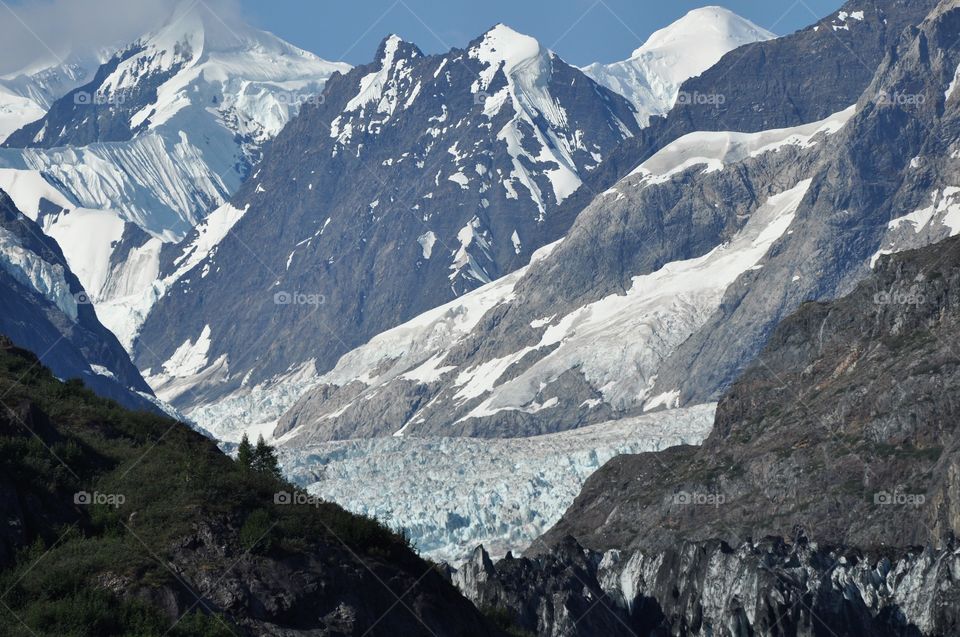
(451, 494)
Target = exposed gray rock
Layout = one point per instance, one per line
(764, 588)
(843, 431)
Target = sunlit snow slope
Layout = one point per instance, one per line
(164, 132)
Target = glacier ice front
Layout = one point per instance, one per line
(451, 494)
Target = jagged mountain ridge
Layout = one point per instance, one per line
(455, 161)
(532, 362)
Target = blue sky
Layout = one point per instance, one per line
(581, 31)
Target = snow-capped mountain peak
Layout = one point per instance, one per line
(704, 31)
(502, 47)
(158, 136)
(652, 76)
(181, 113)
(197, 47)
(528, 70)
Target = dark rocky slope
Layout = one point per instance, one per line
(122, 523)
(841, 437)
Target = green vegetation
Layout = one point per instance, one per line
(262, 459)
(107, 493)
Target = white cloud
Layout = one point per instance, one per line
(34, 31)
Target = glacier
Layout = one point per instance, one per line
(451, 494)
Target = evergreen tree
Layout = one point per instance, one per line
(265, 458)
(245, 453)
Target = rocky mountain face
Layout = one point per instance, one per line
(766, 588)
(840, 437)
(703, 249)
(795, 79)
(417, 178)
(47, 309)
(144, 527)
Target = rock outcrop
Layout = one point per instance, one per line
(841, 438)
